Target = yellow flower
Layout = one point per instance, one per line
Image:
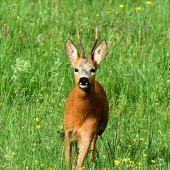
(125, 160)
(27, 168)
(109, 12)
(36, 161)
(157, 103)
(117, 162)
(140, 163)
(60, 127)
(104, 156)
(1, 104)
(15, 4)
(41, 164)
(97, 15)
(134, 140)
(139, 8)
(156, 100)
(149, 2)
(48, 157)
(131, 162)
(38, 126)
(128, 159)
(13, 153)
(116, 13)
(142, 139)
(161, 159)
(152, 161)
(80, 169)
(20, 32)
(23, 127)
(18, 17)
(2, 21)
(121, 6)
(145, 155)
(60, 158)
(36, 119)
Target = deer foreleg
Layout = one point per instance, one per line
(84, 148)
(93, 147)
(68, 146)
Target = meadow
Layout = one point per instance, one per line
(36, 78)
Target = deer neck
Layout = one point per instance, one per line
(84, 101)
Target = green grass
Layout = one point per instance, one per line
(36, 79)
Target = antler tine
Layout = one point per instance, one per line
(95, 42)
(80, 44)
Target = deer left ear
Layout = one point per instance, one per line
(100, 52)
(71, 51)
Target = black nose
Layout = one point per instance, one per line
(84, 81)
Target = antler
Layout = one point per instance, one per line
(80, 44)
(95, 42)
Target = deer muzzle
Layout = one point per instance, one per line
(84, 82)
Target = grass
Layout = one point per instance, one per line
(36, 79)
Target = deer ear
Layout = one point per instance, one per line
(71, 51)
(100, 52)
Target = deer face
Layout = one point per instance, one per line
(84, 72)
(85, 67)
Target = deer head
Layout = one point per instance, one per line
(85, 67)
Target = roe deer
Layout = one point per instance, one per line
(87, 108)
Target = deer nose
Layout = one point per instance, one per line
(84, 81)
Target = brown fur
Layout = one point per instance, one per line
(87, 110)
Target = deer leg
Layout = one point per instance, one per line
(68, 145)
(93, 147)
(75, 153)
(84, 148)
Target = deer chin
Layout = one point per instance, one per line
(83, 86)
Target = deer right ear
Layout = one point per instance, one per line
(100, 52)
(71, 51)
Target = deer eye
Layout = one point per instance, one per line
(76, 70)
(93, 70)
